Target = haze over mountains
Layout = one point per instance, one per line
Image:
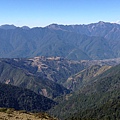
(93, 41)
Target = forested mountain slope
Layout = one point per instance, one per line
(23, 99)
(99, 99)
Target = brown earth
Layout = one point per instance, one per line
(11, 114)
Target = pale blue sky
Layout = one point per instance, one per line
(44, 12)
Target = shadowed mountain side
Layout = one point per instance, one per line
(23, 99)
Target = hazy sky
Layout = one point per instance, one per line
(44, 12)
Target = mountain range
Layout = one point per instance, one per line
(77, 42)
(78, 89)
(46, 75)
(70, 71)
(51, 76)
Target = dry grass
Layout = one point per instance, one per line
(11, 114)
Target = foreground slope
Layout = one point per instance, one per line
(99, 99)
(11, 114)
(23, 99)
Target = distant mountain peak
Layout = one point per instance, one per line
(7, 26)
(101, 22)
(54, 26)
(25, 27)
